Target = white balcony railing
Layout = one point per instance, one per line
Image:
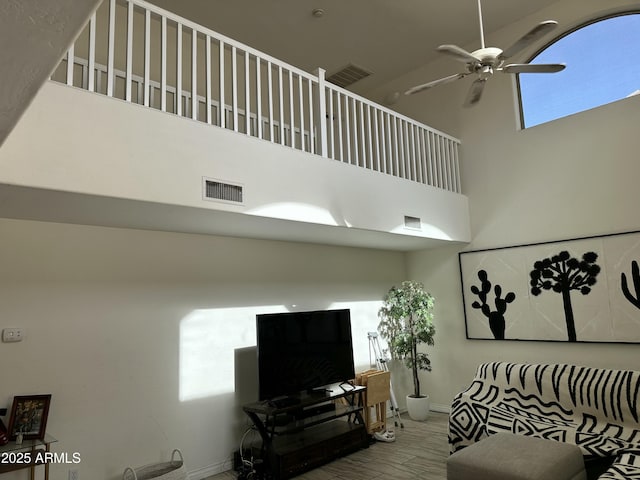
(142, 54)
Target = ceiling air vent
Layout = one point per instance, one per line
(222, 191)
(348, 76)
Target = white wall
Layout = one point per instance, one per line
(138, 153)
(135, 333)
(570, 178)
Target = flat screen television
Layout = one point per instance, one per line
(303, 351)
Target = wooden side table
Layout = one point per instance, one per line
(378, 393)
(29, 454)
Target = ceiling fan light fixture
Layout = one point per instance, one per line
(486, 60)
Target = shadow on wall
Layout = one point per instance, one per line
(246, 374)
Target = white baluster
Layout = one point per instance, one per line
(178, 96)
(91, 74)
(234, 86)
(129, 66)
(163, 64)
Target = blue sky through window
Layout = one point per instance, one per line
(603, 66)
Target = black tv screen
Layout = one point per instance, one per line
(300, 351)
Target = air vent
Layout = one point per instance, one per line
(223, 191)
(348, 75)
(413, 223)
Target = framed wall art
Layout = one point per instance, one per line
(29, 415)
(579, 290)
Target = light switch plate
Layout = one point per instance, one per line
(12, 335)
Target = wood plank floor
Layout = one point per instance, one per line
(419, 452)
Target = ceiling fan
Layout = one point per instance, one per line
(487, 60)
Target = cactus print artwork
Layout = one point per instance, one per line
(579, 290)
(496, 318)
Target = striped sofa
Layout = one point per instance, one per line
(596, 409)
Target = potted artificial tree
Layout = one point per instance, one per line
(406, 321)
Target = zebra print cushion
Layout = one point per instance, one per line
(626, 466)
(596, 409)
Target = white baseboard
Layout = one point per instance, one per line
(209, 470)
(435, 407)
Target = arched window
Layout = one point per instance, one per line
(603, 65)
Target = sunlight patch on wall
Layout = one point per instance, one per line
(364, 319)
(209, 339)
(301, 212)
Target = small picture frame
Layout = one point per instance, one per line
(29, 416)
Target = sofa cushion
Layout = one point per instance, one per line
(506, 456)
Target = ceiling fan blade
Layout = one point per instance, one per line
(475, 92)
(533, 68)
(458, 53)
(434, 83)
(534, 34)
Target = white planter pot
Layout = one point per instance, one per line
(418, 408)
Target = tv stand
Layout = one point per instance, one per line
(316, 430)
(284, 402)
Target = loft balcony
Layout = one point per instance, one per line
(195, 132)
